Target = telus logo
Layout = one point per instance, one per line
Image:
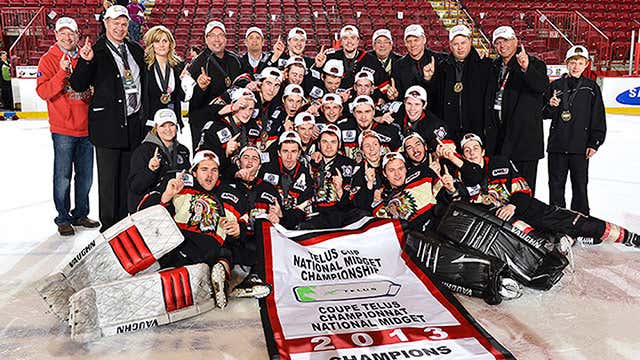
(629, 97)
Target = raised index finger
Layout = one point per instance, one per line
(155, 153)
(202, 70)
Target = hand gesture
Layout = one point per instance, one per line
(590, 153)
(434, 164)
(203, 80)
(377, 195)
(230, 227)
(554, 101)
(174, 186)
(523, 59)
(253, 86)
(288, 125)
(65, 63)
(154, 162)
(370, 175)
(387, 118)
(244, 175)
(241, 103)
(506, 212)
(278, 49)
(447, 180)
(336, 180)
(86, 51)
(345, 96)
(315, 133)
(392, 93)
(316, 157)
(274, 213)
(314, 109)
(232, 145)
(321, 57)
(429, 69)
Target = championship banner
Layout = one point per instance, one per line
(353, 293)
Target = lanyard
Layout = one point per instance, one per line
(123, 55)
(567, 100)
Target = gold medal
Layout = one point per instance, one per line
(566, 116)
(128, 75)
(165, 98)
(458, 87)
(227, 81)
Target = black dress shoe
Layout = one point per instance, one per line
(86, 222)
(66, 230)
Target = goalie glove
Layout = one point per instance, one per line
(220, 282)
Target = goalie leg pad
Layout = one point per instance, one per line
(462, 270)
(129, 247)
(521, 248)
(140, 302)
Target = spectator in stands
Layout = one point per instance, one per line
(163, 87)
(194, 50)
(415, 68)
(159, 157)
(68, 112)
(5, 81)
(513, 127)
(114, 66)
(136, 15)
(578, 128)
(459, 86)
(214, 69)
(105, 5)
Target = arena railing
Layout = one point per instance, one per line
(32, 25)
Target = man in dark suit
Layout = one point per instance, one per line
(114, 67)
(214, 70)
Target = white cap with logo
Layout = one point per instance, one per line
(295, 60)
(364, 74)
(214, 24)
(66, 22)
(413, 30)
(297, 32)
(381, 32)
(349, 29)
(115, 11)
(362, 100)
(504, 32)
(577, 50)
(392, 156)
(290, 135)
(164, 115)
(304, 118)
(331, 98)
(253, 29)
(334, 67)
(459, 30)
(240, 92)
(416, 92)
(203, 155)
(293, 89)
(271, 72)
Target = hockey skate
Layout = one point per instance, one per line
(220, 282)
(251, 287)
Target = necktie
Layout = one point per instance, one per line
(132, 98)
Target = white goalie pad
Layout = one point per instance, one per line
(140, 302)
(131, 246)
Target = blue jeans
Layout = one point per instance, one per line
(71, 153)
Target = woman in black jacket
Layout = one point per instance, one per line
(163, 88)
(160, 155)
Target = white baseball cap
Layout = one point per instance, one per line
(249, 147)
(203, 155)
(413, 135)
(413, 30)
(240, 92)
(331, 98)
(304, 118)
(416, 92)
(290, 135)
(392, 156)
(367, 133)
(332, 128)
(470, 137)
(115, 11)
(334, 67)
(253, 29)
(66, 22)
(360, 100)
(297, 33)
(214, 24)
(349, 28)
(577, 50)
(293, 89)
(505, 32)
(459, 30)
(381, 32)
(364, 74)
(295, 60)
(271, 72)
(164, 115)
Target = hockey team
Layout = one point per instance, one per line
(315, 143)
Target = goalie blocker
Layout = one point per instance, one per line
(141, 302)
(532, 259)
(129, 247)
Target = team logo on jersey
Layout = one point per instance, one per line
(440, 133)
(384, 138)
(271, 178)
(204, 213)
(270, 198)
(401, 206)
(474, 190)
(349, 136)
(264, 157)
(500, 171)
(301, 183)
(254, 132)
(316, 92)
(412, 177)
(179, 159)
(347, 170)
(275, 114)
(255, 113)
(224, 135)
(229, 196)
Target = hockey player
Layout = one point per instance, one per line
(367, 178)
(331, 109)
(296, 43)
(578, 128)
(328, 81)
(208, 214)
(291, 178)
(494, 181)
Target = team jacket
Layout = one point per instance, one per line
(217, 133)
(295, 188)
(587, 127)
(359, 194)
(325, 193)
(362, 61)
(141, 179)
(414, 202)
(497, 183)
(389, 137)
(198, 214)
(408, 72)
(428, 125)
(68, 110)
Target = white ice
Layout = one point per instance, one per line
(591, 314)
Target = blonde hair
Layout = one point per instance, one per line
(152, 35)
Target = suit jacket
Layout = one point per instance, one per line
(108, 124)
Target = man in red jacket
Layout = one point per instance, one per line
(68, 112)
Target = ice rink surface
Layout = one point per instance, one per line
(592, 313)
